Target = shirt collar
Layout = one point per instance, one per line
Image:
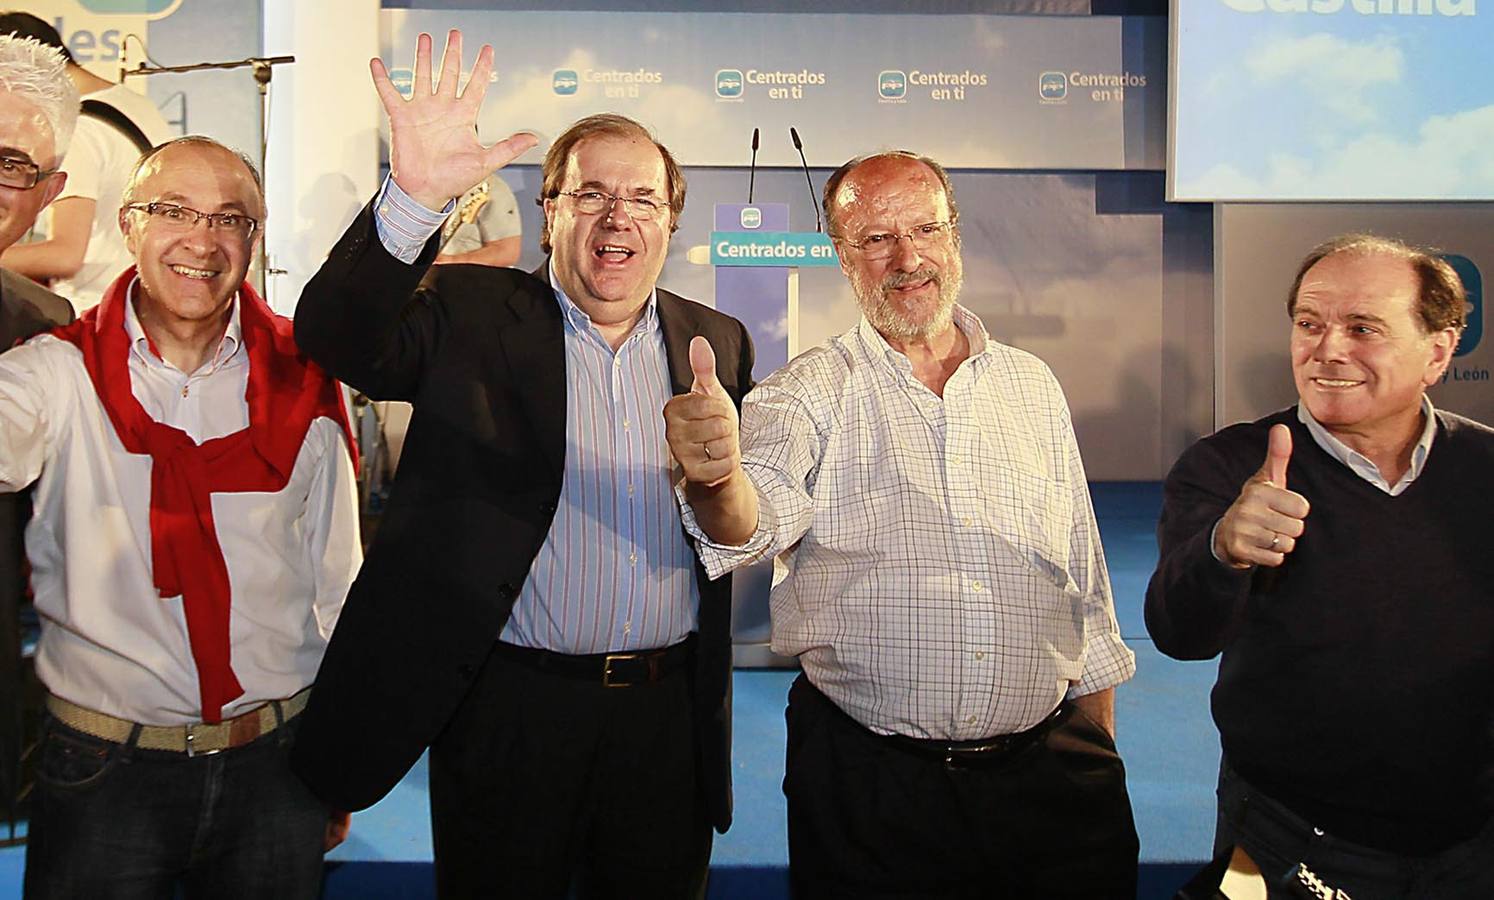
(578, 321)
(1360, 463)
(144, 348)
(965, 320)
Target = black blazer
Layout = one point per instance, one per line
(26, 308)
(481, 355)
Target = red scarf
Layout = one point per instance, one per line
(285, 393)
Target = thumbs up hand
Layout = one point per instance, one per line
(701, 426)
(1262, 526)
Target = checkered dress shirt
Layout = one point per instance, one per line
(945, 576)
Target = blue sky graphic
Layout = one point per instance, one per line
(1332, 106)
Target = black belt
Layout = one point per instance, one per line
(607, 669)
(956, 754)
(986, 751)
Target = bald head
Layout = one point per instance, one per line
(228, 163)
(848, 183)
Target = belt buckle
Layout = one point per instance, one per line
(607, 668)
(213, 739)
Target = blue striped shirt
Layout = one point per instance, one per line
(616, 572)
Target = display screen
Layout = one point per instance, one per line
(1331, 100)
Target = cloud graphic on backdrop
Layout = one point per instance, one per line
(1448, 157)
(1335, 72)
(988, 36)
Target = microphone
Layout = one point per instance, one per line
(819, 224)
(752, 170)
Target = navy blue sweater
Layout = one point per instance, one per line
(1357, 679)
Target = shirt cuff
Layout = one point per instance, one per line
(717, 558)
(1214, 532)
(403, 224)
(1107, 663)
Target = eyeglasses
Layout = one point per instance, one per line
(641, 209)
(22, 174)
(184, 218)
(884, 244)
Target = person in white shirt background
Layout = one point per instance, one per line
(952, 731)
(194, 536)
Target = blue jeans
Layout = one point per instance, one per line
(1277, 839)
(114, 821)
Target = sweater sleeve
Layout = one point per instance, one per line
(1193, 601)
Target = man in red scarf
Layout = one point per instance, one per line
(194, 534)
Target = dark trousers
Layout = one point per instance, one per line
(1277, 839)
(868, 819)
(114, 821)
(541, 779)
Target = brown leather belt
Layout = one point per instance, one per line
(608, 669)
(196, 739)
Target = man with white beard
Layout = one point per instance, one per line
(952, 732)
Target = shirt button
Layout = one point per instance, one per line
(958, 460)
(976, 586)
(633, 559)
(970, 721)
(967, 521)
(184, 390)
(627, 425)
(980, 654)
(627, 628)
(630, 489)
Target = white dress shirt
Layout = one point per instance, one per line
(945, 577)
(109, 642)
(1360, 464)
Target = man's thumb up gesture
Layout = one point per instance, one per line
(1263, 524)
(701, 426)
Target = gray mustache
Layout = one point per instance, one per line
(899, 279)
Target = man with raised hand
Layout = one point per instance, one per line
(531, 609)
(1330, 553)
(951, 735)
(194, 534)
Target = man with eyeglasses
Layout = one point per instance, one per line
(83, 250)
(951, 733)
(38, 109)
(531, 609)
(194, 535)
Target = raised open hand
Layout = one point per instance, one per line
(434, 153)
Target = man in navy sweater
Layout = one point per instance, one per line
(1352, 600)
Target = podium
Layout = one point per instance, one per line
(756, 259)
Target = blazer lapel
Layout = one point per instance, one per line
(679, 327)
(534, 345)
